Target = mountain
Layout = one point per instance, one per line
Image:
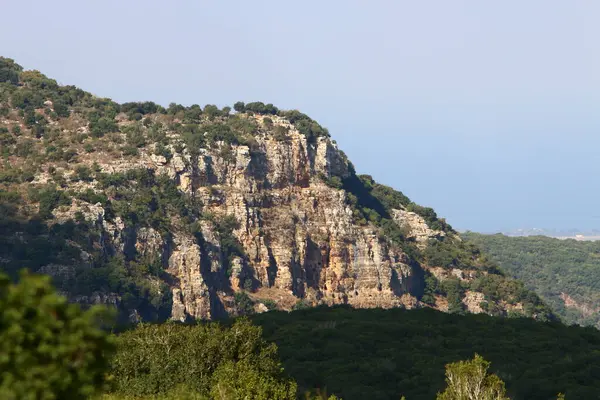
(198, 213)
(565, 273)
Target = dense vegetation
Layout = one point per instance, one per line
(552, 268)
(382, 354)
(40, 110)
(52, 350)
(206, 359)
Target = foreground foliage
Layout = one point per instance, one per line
(553, 268)
(383, 354)
(207, 359)
(52, 350)
(49, 349)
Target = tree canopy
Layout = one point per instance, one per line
(469, 380)
(49, 349)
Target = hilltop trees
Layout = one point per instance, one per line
(9, 71)
(257, 107)
(239, 106)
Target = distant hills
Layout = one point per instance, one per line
(577, 234)
(565, 273)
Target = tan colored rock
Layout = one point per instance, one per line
(472, 301)
(298, 234)
(261, 308)
(159, 159)
(417, 227)
(191, 295)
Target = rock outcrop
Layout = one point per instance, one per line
(298, 234)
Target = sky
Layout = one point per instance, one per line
(486, 111)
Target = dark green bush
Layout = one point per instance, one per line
(9, 71)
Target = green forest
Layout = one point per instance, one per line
(55, 350)
(552, 268)
(382, 354)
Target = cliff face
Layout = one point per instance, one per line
(297, 233)
(201, 213)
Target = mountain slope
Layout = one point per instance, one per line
(565, 273)
(190, 212)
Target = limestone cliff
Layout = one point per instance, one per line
(198, 213)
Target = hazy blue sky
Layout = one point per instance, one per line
(487, 111)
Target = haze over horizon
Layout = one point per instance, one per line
(486, 112)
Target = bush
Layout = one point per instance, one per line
(9, 71)
(101, 126)
(239, 107)
(83, 173)
(305, 125)
(61, 109)
(212, 111)
(430, 217)
(129, 151)
(192, 114)
(281, 133)
(92, 197)
(259, 107)
(230, 245)
(49, 198)
(243, 303)
(243, 125)
(162, 150)
(334, 182)
(142, 108)
(135, 136)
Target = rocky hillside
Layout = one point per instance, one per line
(198, 212)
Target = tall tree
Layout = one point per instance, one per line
(469, 380)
